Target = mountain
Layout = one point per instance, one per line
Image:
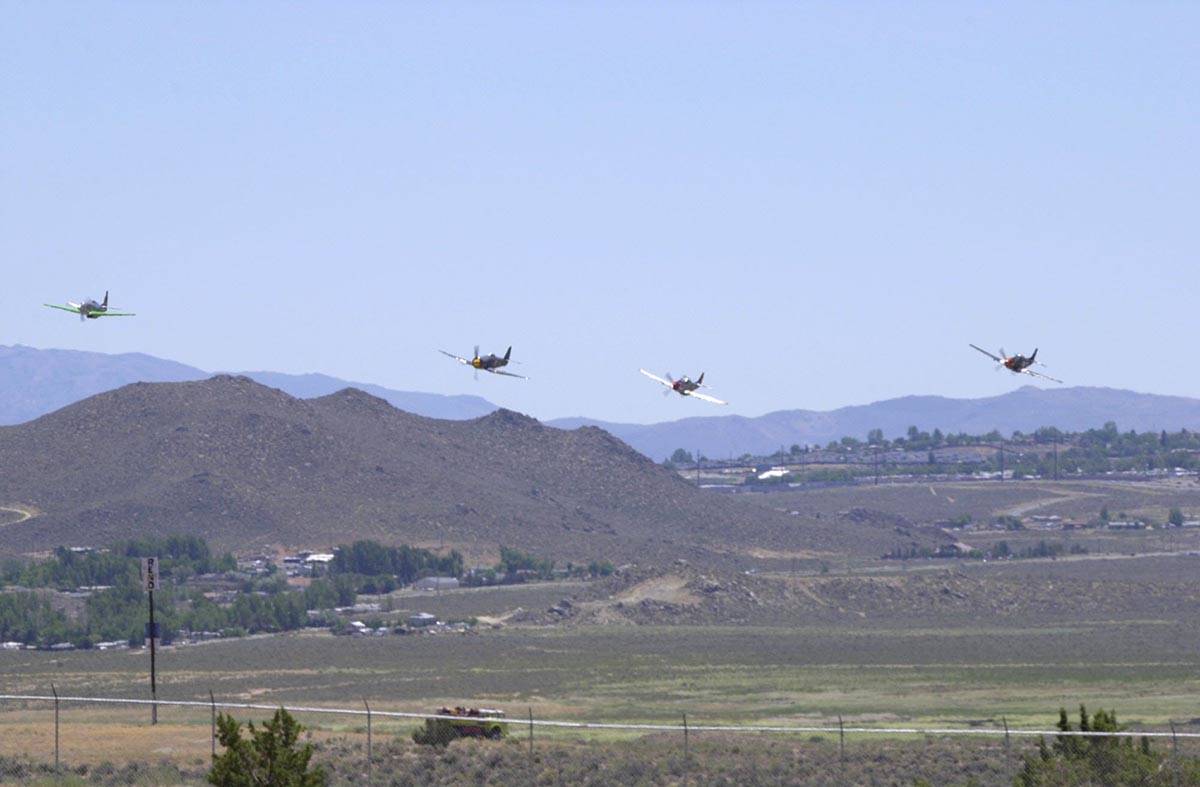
(1025, 409)
(250, 467)
(310, 386)
(35, 382)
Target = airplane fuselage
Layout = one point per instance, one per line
(90, 309)
(488, 362)
(684, 386)
(1018, 363)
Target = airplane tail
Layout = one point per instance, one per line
(105, 304)
(1034, 356)
(700, 379)
(508, 353)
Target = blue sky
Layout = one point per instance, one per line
(818, 204)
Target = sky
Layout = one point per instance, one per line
(818, 204)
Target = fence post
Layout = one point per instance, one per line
(1174, 755)
(212, 723)
(531, 734)
(1007, 742)
(685, 749)
(55, 692)
(370, 750)
(841, 740)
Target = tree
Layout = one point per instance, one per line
(875, 437)
(1175, 517)
(682, 457)
(269, 756)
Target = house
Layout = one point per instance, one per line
(11, 646)
(422, 620)
(436, 583)
(317, 563)
(116, 644)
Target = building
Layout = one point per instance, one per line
(422, 620)
(436, 583)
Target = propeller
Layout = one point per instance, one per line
(476, 351)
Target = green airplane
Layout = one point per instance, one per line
(89, 309)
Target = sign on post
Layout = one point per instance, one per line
(150, 574)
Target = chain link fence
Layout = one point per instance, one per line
(46, 739)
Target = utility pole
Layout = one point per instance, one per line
(1002, 460)
(1055, 456)
(150, 583)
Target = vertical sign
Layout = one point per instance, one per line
(150, 574)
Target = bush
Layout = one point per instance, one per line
(269, 756)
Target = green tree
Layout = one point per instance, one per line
(269, 756)
(682, 457)
(1176, 517)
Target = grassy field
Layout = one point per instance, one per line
(1149, 669)
(962, 677)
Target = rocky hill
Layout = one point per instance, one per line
(251, 467)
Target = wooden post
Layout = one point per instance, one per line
(531, 734)
(153, 674)
(55, 691)
(841, 739)
(1007, 741)
(685, 749)
(370, 749)
(212, 722)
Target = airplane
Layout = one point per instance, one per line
(1018, 364)
(89, 309)
(487, 363)
(684, 387)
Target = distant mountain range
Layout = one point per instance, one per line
(35, 382)
(1025, 410)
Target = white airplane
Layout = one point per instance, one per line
(89, 309)
(684, 387)
(1018, 364)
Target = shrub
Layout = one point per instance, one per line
(269, 756)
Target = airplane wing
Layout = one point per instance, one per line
(463, 361)
(995, 358)
(507, 374)
(71, 309)
(1032, 373)
(656, 378)
(706, 397)
(114, 314)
